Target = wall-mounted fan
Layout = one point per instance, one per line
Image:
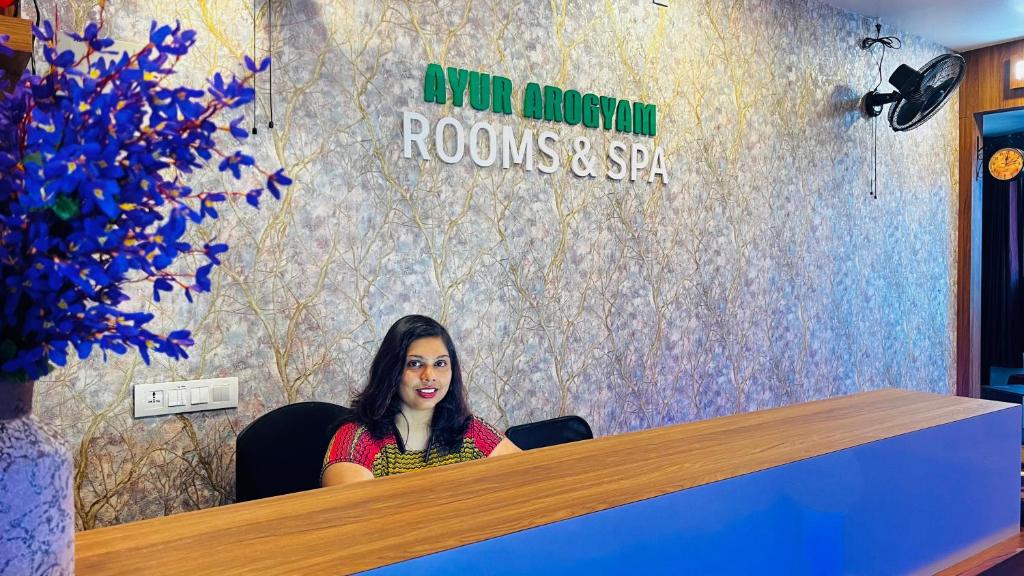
(919, 94)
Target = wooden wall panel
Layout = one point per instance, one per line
(968, 296)
(986, 88)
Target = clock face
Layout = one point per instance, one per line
(1006, 163)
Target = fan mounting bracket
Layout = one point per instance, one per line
(874, 100)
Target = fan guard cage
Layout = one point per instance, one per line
(939, 78)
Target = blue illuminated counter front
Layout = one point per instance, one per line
(886, 482)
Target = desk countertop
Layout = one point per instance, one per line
(371, 524)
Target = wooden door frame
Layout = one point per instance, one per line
(968, 267)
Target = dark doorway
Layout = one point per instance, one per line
(1002, 263)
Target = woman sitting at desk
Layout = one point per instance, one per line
(412, 413)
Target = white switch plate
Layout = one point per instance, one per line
(156, 399)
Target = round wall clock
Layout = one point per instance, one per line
(1006, 163)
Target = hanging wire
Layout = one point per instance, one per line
(874, 156)
(270, 54)
(892, 43)
(255, 58)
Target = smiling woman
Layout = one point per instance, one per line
(412, 413)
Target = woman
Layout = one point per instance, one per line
(412, 413)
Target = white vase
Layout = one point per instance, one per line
(37, 521)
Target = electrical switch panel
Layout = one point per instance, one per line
(165, 398)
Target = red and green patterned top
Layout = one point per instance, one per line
(354, 443)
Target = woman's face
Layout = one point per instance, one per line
(427, 374)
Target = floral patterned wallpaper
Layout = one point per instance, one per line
(762, 273)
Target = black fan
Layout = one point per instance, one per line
(918, 95)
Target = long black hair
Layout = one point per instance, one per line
(379, 403)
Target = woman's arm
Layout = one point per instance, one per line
(505, 447)
(345, 473)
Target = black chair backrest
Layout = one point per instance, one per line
(1001, 375)
(283, 450)
(549, 432)
(1001, 394)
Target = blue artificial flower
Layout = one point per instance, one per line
(277, 178)
(251, 66)
(253, 197)
(236, 130)
(232, 94)
(91, 37)
(235, 162)
(90, 200)
(44, 34)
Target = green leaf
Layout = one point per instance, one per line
(33, 158)
(65, 207)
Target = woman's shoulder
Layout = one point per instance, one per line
(353, 442)
(477, 425)
(483, 435)
(351, 428)
(355, 433)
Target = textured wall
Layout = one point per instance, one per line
(763, 274)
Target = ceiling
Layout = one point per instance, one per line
(957, 24)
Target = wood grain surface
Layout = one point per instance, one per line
(968, 265)
(379, 522)
(987, 558)
(986, 85)
(20, 32)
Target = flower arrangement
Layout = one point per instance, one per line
(92, 199)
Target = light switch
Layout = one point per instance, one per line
(175, 397)
(200, 395)
(221, 393)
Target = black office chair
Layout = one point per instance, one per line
(549, 432)
(1003, 376)
(283, 450)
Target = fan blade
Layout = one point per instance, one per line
(922, 102)
(934, 95)
(908, 112)
(942, 74)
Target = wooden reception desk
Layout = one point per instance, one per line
(889, 481)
